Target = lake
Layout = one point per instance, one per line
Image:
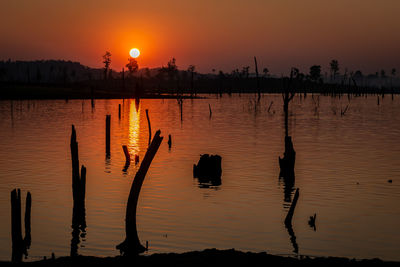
(343, 167)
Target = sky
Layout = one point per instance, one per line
(210, 34)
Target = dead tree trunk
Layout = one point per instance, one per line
(258, 81)
(78, 194)
(20, 246)
(131, 245)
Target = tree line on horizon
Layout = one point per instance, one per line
(66, 72)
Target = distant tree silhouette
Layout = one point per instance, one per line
(393, 72)
(334, 66)
(315, 73)
(245, 71)
(191, 70)
(383, 74)
(107, 63)
(38, 75)
(132, 66)
(172, 69)
(266, 71)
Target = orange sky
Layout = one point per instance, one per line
(220, 34)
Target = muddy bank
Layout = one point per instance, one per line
(208, 257)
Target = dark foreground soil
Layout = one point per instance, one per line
(209, 257)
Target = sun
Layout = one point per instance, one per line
(134, 52)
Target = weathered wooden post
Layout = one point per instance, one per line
(108, 127)
(131, 245)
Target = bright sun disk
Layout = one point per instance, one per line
(134, 52)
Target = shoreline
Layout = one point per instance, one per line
(207, 257)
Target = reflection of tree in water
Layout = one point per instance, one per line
(287, 162)
(78, 228)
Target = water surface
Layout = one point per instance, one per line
(342, 168)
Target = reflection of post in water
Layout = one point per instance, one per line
(289, 156)
(20, 246)
(78, 193)
(127, 159)
(108, 135)
(131, 245)
(137, 103)
(288, 222)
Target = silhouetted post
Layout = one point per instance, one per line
(169, 141)
(28, 206)
(108, 127)
(127, 158)
(209, 108)
(16, 231)
(289, 216)
(131, 245)
(148, 121)
(119, 111)
(78, 194)
(258, 82)
(20, 246)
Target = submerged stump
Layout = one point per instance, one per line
(208, 169)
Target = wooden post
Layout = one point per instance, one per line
(131, 245)
(148, 121)
(119, 111)
(209, 108)
(169, 141)
(258, 82)
(108, 126)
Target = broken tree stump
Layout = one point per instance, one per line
(131, 245)
(208, 169)
(288, 161)
(78, 194)
(20, 246)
